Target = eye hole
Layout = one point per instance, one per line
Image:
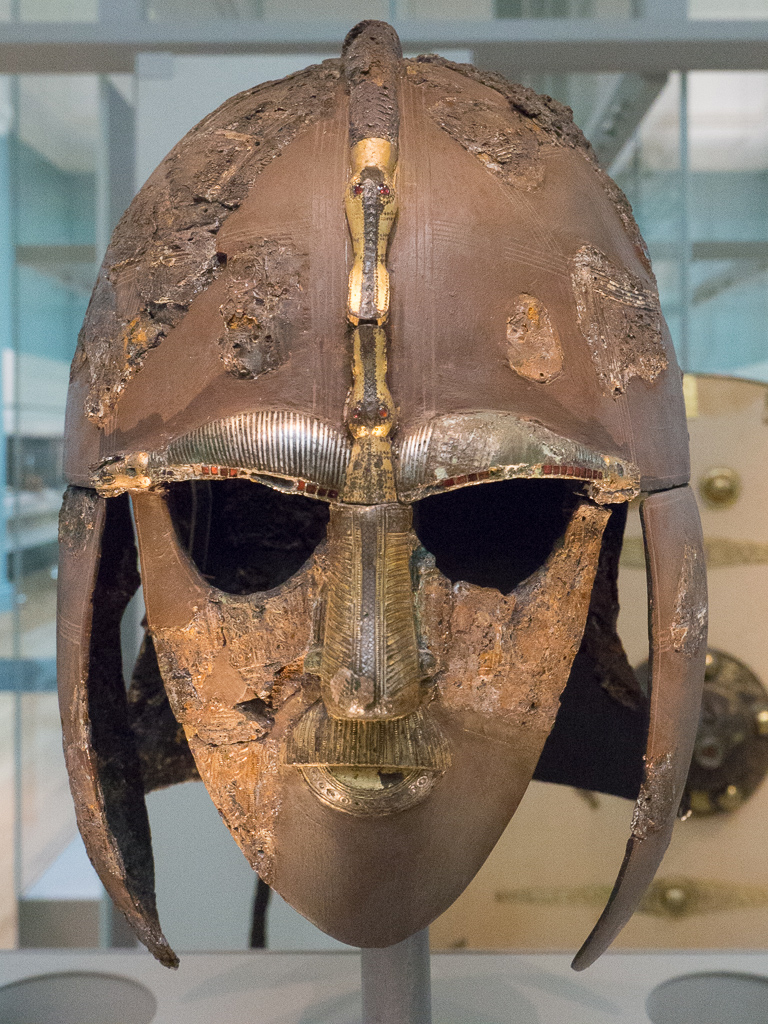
(494, 535)
(245, 537)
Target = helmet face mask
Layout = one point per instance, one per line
(298, 745)
(379, 420)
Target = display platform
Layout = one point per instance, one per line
(324, 988)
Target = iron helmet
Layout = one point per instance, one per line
(377, 355)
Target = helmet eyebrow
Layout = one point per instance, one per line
(295, 451)
(458, 449)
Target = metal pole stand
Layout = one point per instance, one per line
(396, 983)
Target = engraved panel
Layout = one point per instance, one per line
(620, 319)
(502, 139)
(264, 286)
(163, 253)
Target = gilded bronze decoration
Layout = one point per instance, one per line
(672, 898)
(730, 757)
(379, 407)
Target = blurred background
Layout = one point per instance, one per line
(673, 95)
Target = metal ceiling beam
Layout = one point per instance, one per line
(643, 45)
(618, 116)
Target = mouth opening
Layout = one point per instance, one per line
(367, 767)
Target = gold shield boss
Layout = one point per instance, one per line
(379, 406)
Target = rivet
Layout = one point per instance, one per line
(674, 899)
(699, 802)
(720, 487)
(730, 798)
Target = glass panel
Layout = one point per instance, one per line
(727, 9)
(480, 10)
(160, 10)
(649, 172)
(565, 8)
(48, 236)
(585, 94)
(390, 10)
(728, 130)
(8, 913)
(48, 10)
(297, 10)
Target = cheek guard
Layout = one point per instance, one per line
(420, 363)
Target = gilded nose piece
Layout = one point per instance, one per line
(370, 667)
(370, 745)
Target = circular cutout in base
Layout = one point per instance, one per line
(76, 997)
(718, 996)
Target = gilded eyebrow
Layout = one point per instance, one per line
(286, 449)
(276, 442)
(458, 449)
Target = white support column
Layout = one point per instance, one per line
(7, 315)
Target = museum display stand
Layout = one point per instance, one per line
(126, 987)
(396, 982)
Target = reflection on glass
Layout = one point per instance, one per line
(649, 172)
(728, 126)
(390, 10)
(704, 213)
(586, 94)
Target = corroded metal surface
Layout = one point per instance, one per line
(99, 748)
(149, 278)
(263, 295)
(487, 647)
(689, 622)
(468, 448)
(506, 146)
(621, 320)
(673, 540)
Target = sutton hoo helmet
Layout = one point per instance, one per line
(379, 406)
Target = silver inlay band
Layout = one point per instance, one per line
(460, 448)
(284, 443)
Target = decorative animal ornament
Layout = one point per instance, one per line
(379, 406)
